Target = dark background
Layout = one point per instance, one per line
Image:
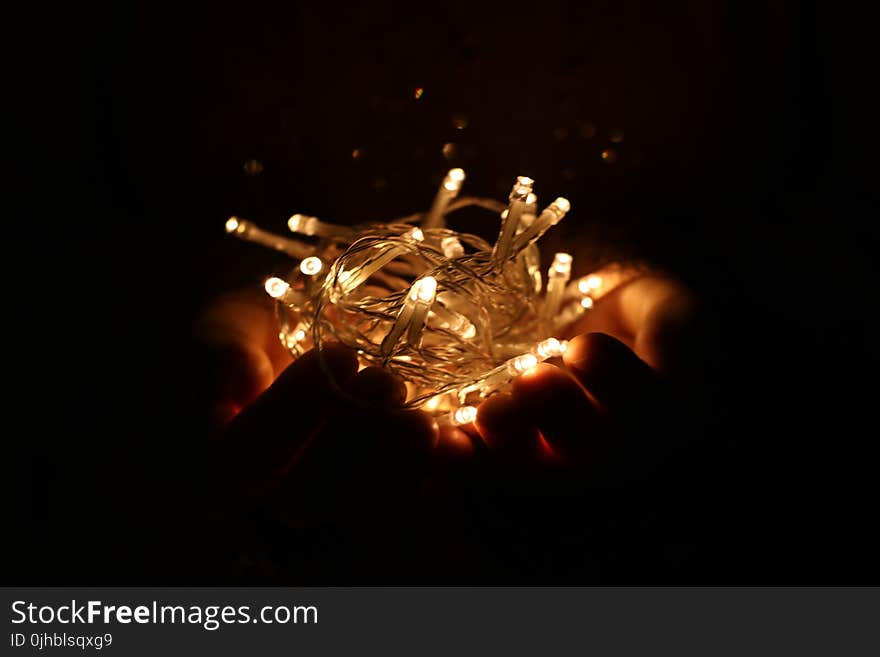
(738, 143)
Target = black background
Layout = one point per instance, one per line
(746, 167)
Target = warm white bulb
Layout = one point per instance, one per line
(452, 247)
(311, 265)
(524, 181)
(562, 204)
(276, 288)
(551, 348)
(520, 364)
(424, 290)
(587, 302)
(589, 283)
(299, 335)
(232, 224)
(453, 180)
(417, 235)
(532, 199)
(562, 263)
(464, 415)
(432, 403)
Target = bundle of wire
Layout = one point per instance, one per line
(456, 317)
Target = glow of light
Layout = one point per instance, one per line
(311, 265)
(424, 290)
(276, 287)
(563, 204)
(417, 235)
(432, 403)
(419, 92)
(456, 174)
(232, 224)
(520, 364)
(452, 248)
(587, 302)
(562, 263)
(551, 348)
(525, 181)
(588, 284)
(454, 178)
(531, 199)
(464, 415)
(299, 335)
(355, 154)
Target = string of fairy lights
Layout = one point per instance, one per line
(456, 317)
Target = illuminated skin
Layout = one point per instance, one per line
(619, 353)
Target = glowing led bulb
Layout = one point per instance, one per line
(416, 234)
(589, 283)
(532, 199)
(300, 223)
(424, 290)
(432, 403)
(451, 247)
(561, 204)
(276, 287)
(520, 364)
(311, 265)
(561, 264)
(551, 348)
(525, 181)
(233, 225)
(299, 335)
(453, 180)
(448, 190)
(587, 302)
(464, 415)
(245, 230)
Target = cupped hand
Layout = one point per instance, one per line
(607, 412)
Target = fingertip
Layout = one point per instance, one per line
(534, 378)
(377, 386)
(504, 427)
(596, 357)
(339, 360)
(237, 372)
(453, 444)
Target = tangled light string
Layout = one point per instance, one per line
(456, 317)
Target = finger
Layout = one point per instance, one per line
(612, 373)
(233, 373)
(554, 402)
(261, 441)
(652, 315)
(362, 466)
(239, 350)
(508, 431)
(378, 387)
